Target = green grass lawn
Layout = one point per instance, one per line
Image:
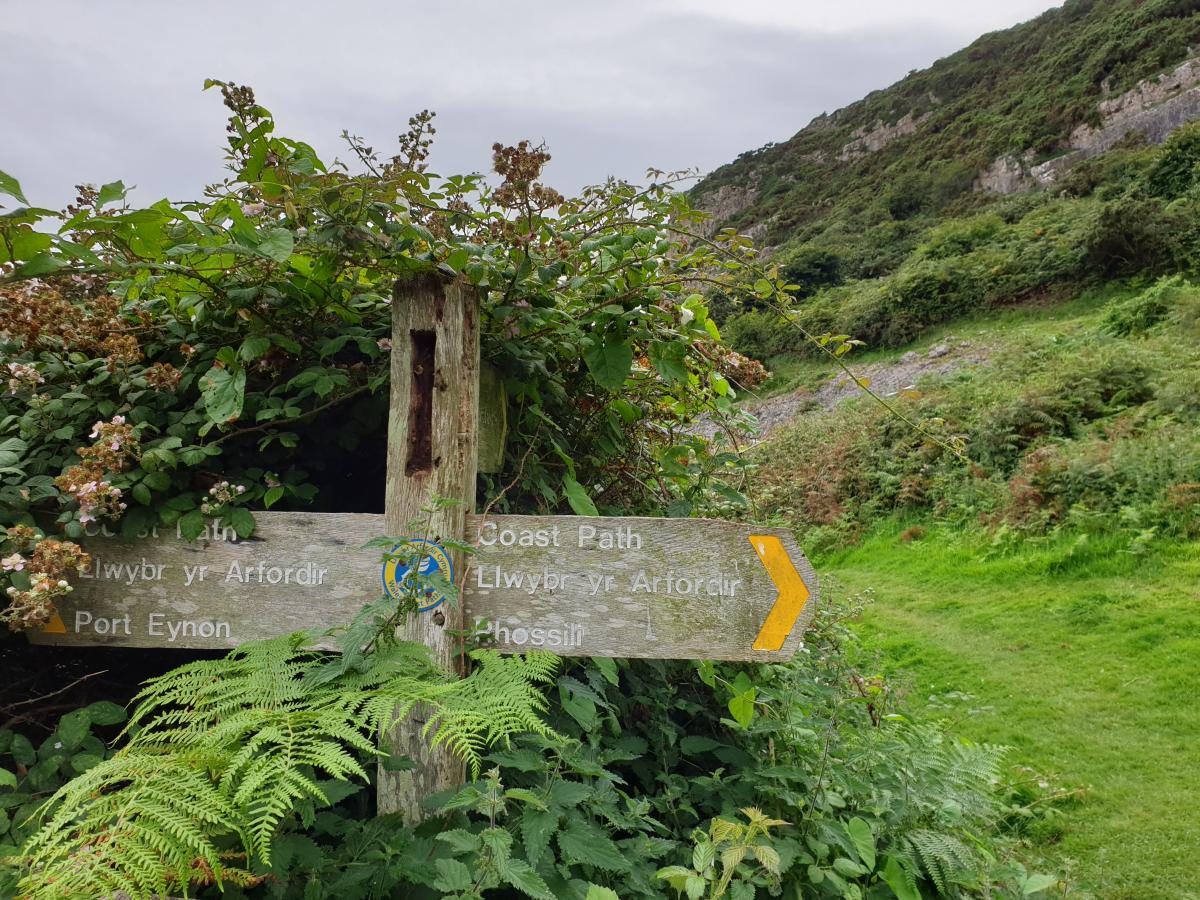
(1081, 656)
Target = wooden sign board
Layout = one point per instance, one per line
(576, 586)
(638, 587)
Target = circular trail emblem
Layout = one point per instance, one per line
(432, 561)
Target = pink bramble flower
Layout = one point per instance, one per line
(14, 563)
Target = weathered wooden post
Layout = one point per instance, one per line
(431, 454)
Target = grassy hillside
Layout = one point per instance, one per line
(1034, 547)
(1042, 590)
(1131, 211)
(1021, 89)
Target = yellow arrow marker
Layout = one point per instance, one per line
(793, 592)
(55, 626)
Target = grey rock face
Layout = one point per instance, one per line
(1153, 108)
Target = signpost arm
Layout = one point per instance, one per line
(431, 454)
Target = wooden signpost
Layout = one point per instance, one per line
(576, 586)
(572, 585)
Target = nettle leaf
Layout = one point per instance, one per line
(609, 360)
(224, 392)
(521, 875)
(583, 842)
(277, 244)
(536, 828)
(569, 794)
(608, 668)
(452, 876)
(577, 497)
(526, 796)
(460, 840)
(668, 359)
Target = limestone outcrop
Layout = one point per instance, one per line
(1154, 108)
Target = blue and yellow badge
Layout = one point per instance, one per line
(432, 561)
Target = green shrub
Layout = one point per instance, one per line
(1138, 314)
(857, 308)
(936, 290)
(812, 268)
(1130, 236)
(1176, 170)
(655, 750)
(959, 236)
(760, 334)
(1073, 389)
(1150, 478)
(1072, 424)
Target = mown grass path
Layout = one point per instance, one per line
(1081, 656)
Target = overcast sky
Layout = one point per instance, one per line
(96, 91)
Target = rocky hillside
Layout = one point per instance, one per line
(1016, 109)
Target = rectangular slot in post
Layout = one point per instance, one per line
(420, 405)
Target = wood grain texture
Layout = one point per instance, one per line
(432, 454)
(493, 419)
(614, 618)
(148, 590)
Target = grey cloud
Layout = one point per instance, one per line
(113, 90)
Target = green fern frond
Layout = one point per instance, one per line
(226, 749)
(944, 859)
(126, 824)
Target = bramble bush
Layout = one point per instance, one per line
(184, 362)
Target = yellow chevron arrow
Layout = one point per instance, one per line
(55, 625)
(793, 592)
